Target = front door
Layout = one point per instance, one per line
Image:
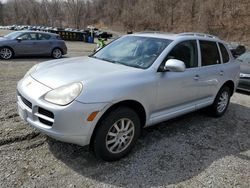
(178, 90)
(27, 44)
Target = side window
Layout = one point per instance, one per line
(209, 53)
(28, 36)
(187, 52)
(43, 36)
(224, 53)
(25, 37)
(58, 37)
(33, 36)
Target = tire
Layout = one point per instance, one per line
(110, 144)
(6, 53)
(221, 102)
(57, 53)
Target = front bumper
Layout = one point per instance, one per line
(65, 123)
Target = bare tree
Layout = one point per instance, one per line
(225, 17)
(1, 13)
(172, 4)
(75, 9)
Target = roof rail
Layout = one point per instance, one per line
(198, 35)
(154, 32)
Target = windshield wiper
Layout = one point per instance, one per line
(104, 59)
(116, 62)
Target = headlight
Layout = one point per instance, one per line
(32, 69)
(64, 95)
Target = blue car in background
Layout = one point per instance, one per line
(32, 43)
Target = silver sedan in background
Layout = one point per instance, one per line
(32, 43)
(244, 83)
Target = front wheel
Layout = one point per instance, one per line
(57, 53)
(6, 53)
(117, 134)
(221, 102)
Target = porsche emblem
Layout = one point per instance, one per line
(28, 84)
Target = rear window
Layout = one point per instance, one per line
(224, 53)
(209, 53)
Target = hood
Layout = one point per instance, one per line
(3, 39)
(65, 71)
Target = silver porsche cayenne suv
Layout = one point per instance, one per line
(136, 81)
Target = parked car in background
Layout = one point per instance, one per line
(244, 83)
(135, 81)
(32, 43)
(103, 34)
(236, 49)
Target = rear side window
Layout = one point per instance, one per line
(224, 53)
(58, 37)
(43, 36)
(209, 53)
(187, 52)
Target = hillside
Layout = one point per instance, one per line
(229, 19)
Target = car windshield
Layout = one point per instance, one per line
(13, 35)
(134, 51)
(244, 58)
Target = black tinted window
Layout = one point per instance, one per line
(224, 53)
(209, 53)
(186, 52)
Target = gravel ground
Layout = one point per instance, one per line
(194, 150)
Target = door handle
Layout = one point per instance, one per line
(197, 77)
(221, 72)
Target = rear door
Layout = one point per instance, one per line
(211, 72)
(44, 43)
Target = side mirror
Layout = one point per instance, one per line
(19, 39)
(175, 65)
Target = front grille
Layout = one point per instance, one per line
(25, 101)
(45, 112)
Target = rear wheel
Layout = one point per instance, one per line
(57, 53)
(117, 134)
(6, 53)
(221, 102)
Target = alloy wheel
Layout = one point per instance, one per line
(57, 53)
(120, 135)
(6, 53)
(223, 102)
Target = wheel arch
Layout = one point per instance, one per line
(230, 84)
(56, 47)
(134, 105)
(9, 48)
